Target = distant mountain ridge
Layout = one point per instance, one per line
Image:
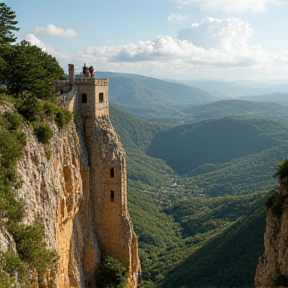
(150, 97)
(281, 98)
(235, 89)
(225, 108)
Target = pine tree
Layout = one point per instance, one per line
(7, 24)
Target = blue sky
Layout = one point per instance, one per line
(175, 39)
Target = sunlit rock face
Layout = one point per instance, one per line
(272, 270)
(76, 190)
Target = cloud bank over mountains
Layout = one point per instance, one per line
(204, 49)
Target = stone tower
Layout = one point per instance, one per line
(93, 96)
(107, 188)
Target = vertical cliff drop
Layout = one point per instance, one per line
(272, 269)
(107, 180)
(79, 195)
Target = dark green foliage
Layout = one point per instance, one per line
(49, 109)
(156, 231)
(30, 71)
(189, 146)
(4, 98)
(111, 273)
(12, 121)
(183, 233)
(12, 143)
(276, 202)
(282, 170)
(31, 248)
(11, 148)
(7, 24)
(30, 108)
(136, 134)
(280, 281)
(200, 215)
(224, 260)
(147, 284)
(44, 133)
(12, 263)
(33, 109)
(62, 117)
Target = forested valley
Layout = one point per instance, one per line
(200, 170)
(197, 194)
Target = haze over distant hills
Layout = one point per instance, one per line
(151, 97)
(170, 102)
(235, 89)
(235, 107)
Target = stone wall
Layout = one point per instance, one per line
(92, 88)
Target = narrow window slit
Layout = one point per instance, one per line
(84, 98)
(112, 173)
(101, 97)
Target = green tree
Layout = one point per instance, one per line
(111, 273)
(282, 170)
(7, 24)
(30, 71)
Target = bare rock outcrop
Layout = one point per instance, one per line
(272, 270)
(54, 195)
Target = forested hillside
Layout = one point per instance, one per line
(152, 98)
(191, 228)
(225, 108)
(190, 146)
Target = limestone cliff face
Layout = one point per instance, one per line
(79, 197)
(54, 195)
(272, 270)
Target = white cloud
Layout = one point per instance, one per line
(35, 41)
(54, 31)
(222, 34)
(234, 6)
(214, 47)
(49, 49)
(176, 17)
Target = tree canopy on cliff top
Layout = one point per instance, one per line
(24, 68)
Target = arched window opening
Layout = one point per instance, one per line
(84, 98)
(112, 195)
(112, 173)
(101, 97)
